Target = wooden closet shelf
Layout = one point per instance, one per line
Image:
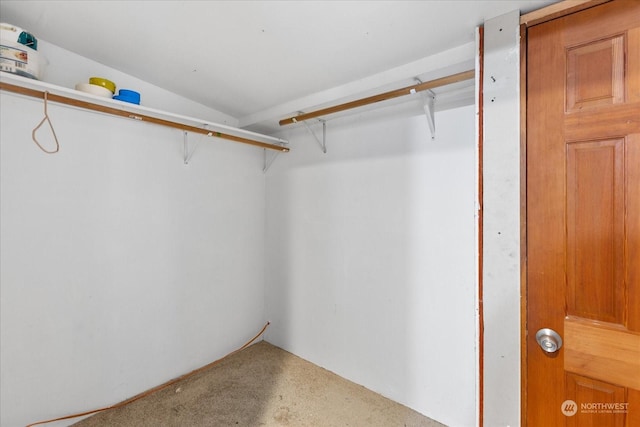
(37, 89)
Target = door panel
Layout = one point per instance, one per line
(589, 390)
(583, 217)
(595, 230)
(595, 73)
(605, 352)
(632, 244)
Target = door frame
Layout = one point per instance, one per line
(554, 11)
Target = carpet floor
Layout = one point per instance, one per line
(262, 385)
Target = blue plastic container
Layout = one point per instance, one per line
(127, 95)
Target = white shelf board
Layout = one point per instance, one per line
(134, 109)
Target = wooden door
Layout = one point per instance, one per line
(583, 217)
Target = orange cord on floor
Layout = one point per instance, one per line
(158, 388)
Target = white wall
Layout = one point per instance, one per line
(371, 256)
(121, 267)
(501, 213)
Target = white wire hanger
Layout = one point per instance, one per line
(48, 120)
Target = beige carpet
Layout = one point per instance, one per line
(262, 386)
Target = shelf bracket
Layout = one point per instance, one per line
(268, 161)
(428, 101)
(185, 145)
(323, 143)
(188, 155)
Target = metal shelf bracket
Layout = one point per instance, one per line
(185, 145)
(323, 143)
(428, 101)
(268, 160)
(188, 155)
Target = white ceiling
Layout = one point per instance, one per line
(244, 57)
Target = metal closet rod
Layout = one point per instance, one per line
(141, 117)
(443, 81)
